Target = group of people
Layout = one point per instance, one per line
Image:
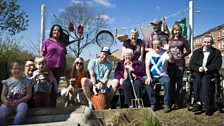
(164, 62)
(161, 58)
(34, 83)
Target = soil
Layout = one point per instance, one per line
(183, 117)
(180, 117)
(139, 117)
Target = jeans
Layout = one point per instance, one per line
(20, 110)
(164, 80)
(176, 84)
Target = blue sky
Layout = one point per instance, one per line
(125, 14)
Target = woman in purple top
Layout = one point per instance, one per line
(137, 73)
(179, 48)
(54, 52)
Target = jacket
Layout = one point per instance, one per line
(213, 64)
(139, 71)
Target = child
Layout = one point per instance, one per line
(43, 80)
(101, 87)
(15, 93)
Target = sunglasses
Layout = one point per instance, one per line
(79, 63)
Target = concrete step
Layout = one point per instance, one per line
(74, 115)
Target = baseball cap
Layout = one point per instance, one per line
(155, 21)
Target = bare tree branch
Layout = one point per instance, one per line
(86, 15)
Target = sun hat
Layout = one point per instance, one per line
(106, 49)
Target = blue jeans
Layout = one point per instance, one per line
(164, 80)
(20, 110)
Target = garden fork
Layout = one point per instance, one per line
(136, 102)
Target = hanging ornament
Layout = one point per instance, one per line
(71, 26)
(115, 32)
(80, 30)
(87, 36)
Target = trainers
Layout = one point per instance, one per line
(90, 106)
(131, 106)
(140, 106)
(166, 109)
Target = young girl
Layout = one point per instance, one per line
(43, 80)
(15, 93)
(179, 48)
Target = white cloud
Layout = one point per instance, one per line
(76, 1)
(106, 18)
(105, 3)
(61, 10)
(91, 3)
(157, 7)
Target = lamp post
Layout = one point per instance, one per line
(191, 23)
(43, 23)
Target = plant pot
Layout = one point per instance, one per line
(99, 101)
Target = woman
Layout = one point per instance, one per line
(54, 52)
(78, 72)
(135, 44)
(179, 48)
(73, 79)
(137, 72)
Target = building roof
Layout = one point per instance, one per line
(115, 55)
(213, 29)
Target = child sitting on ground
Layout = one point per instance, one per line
(43, 80)
(15, 93)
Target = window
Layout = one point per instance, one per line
(222, 32)
(213, 35)
(222, 43)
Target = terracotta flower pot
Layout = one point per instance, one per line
(99, 101)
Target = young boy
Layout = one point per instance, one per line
(43, 80)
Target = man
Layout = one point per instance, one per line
(99, 68)
(205, 64)
(157, 33)
(156, 71)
